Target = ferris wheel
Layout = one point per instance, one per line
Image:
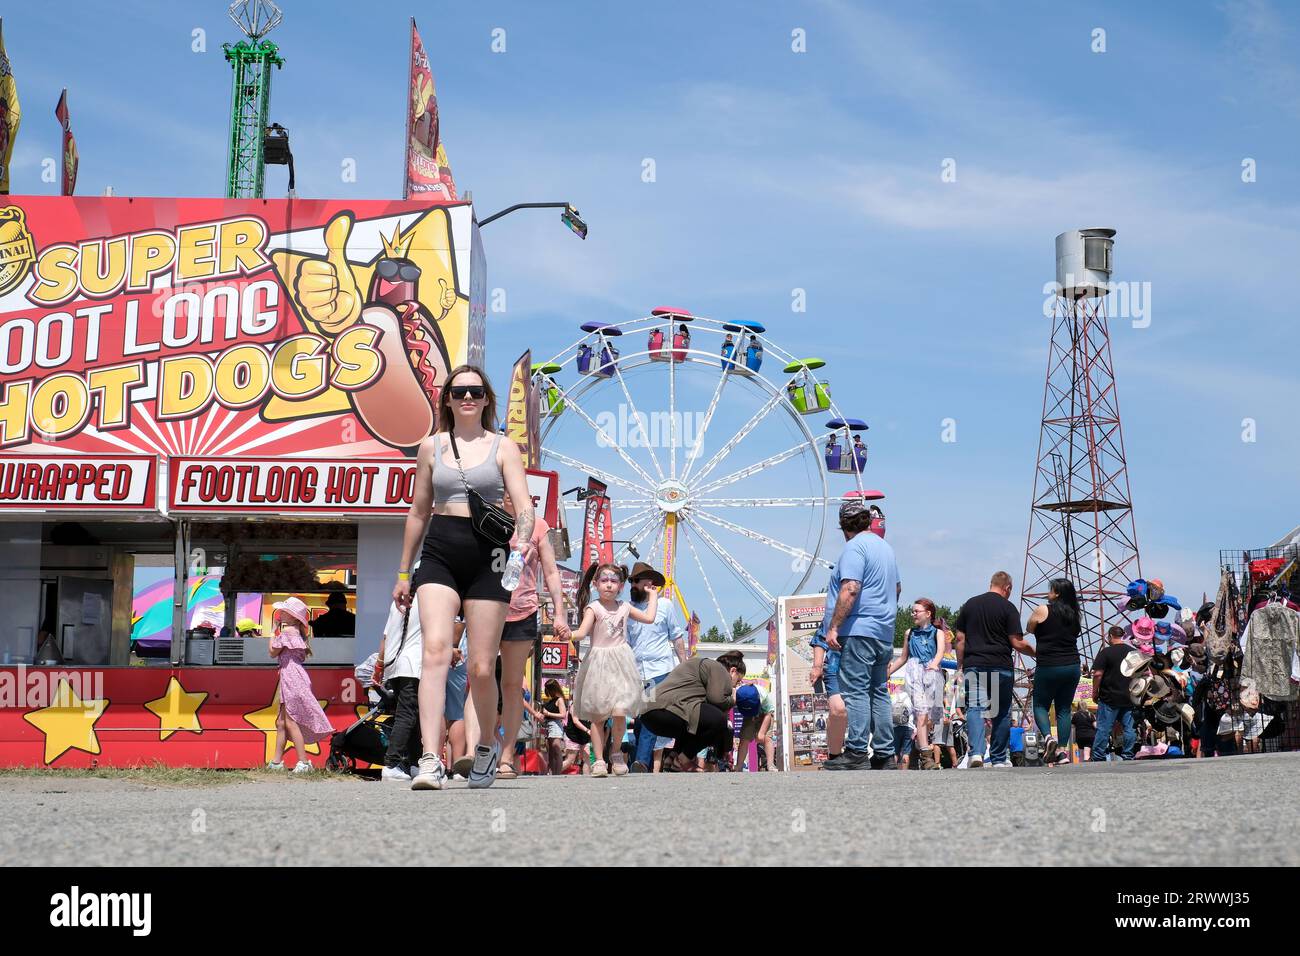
(718, 473)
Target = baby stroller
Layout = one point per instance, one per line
(365, 740)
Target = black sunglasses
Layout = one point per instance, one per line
(391, 269)
(475, 392)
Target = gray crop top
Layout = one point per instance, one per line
(485, 478)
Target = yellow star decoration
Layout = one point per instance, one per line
(264, 720)
(68, 723)
(177, 710)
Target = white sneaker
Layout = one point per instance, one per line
(976, 761)
(1001, 766)
(303, 766)
(275, 765)
(395, 775)
(484, 772)
(432, 775)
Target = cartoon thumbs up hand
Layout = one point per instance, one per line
(326, 288)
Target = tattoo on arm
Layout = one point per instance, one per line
(848, 596)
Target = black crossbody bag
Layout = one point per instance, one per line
(491, 522)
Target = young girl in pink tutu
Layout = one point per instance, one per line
(300, 718)
(609, 682)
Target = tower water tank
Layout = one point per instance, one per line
(1083, 262)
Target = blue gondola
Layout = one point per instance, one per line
(851, 457)
(752, 350)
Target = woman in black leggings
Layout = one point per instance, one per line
(691, 704)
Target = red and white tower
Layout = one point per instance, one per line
(1081, 519)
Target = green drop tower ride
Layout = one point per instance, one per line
(250, 100)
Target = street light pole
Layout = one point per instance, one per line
(569, 217)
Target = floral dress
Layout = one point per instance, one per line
(296, 697)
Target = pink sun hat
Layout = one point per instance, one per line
(295, 608)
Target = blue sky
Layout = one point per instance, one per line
(820, 171)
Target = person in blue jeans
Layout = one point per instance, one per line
(658, 647)
(987, 629)
(1110, 691)
(825, 678)
(862, 604)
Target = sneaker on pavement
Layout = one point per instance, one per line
(303, 766)
(462, 766)
(849, 760)
(431, 775)
(395, 775)
(1050, 749)
(600, 769)
(619, 766)
(885, 763)
(275, 765)
(638, 767)
(1004, 765)
(484, 771)
(976, 761)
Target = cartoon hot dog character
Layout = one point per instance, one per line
(398, 408)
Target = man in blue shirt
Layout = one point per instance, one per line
(659, 647)
(865, 590)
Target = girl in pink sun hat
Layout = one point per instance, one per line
(300, 718)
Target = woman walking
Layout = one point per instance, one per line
(460, 566)
(556, 714)
(1055, 626)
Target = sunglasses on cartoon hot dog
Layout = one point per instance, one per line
(474, 392)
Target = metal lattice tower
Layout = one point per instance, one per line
(1081, 520)
(250, 99)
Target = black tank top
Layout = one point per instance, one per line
(1056, 646)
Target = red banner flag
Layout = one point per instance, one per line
(596, 546)
(427, 173)
(70, 158)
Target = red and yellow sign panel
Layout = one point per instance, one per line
(222, 328)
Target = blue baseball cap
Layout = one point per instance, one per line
(748, 701)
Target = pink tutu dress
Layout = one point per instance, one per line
(295, 686)
(609, 681)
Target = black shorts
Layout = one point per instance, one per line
(525, 630)
(455, 556)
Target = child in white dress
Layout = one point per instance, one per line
(609, 682)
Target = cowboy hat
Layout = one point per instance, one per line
(1144, 629)
(1168, 713)
(1188, 714)
(1137, 690)
(641, 569)
(296, 609)
(1159, 688)
(1133, 662)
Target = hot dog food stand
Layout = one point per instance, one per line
(206, 405)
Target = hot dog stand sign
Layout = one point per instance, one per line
(214, 328)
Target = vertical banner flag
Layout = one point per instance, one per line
(535, 423)
(427, 174)
(70, 158)
(595, 530)
(10, 113)
(692, 635)
(517, 408)
(771, 642)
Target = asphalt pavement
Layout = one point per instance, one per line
(1236, 811)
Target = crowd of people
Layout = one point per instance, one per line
(458, 641)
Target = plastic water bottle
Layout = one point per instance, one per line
(514, 569)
